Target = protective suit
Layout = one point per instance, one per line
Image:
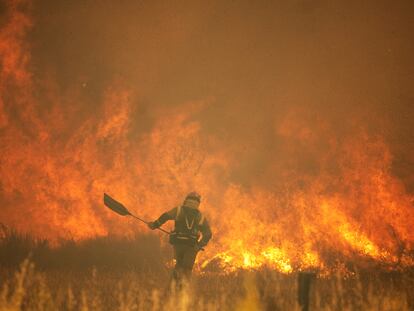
(191, 233)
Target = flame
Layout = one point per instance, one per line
(327, 200)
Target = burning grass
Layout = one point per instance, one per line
(132, 274)
(286, 189)
(309, 191)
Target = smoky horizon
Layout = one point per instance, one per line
(294, 116)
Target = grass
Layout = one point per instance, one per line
(132, 274)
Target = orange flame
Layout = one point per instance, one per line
(344, 204)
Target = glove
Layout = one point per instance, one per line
(199, 247)
(152, 225)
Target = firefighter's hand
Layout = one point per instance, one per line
(152, 225)
(199, 247)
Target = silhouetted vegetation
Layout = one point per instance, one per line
(132, 274)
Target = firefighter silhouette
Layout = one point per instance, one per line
(191, 234)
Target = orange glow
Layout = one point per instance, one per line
(56, 164)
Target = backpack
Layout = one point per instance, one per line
(187, 226)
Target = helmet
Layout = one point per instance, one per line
(194, 195)
(192, 200)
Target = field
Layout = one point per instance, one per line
(132, 274)
(293, 120)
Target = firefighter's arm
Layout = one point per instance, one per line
(206, 234)
(170, 215)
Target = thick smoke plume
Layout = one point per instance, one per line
(293, 126)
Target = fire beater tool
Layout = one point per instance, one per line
(120, 209)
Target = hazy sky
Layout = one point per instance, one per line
(251, 60)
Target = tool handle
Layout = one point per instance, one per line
(146, 222)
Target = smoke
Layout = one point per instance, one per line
(292, 119)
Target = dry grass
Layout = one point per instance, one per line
(120, 274)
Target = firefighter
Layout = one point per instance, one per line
(191, 233)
